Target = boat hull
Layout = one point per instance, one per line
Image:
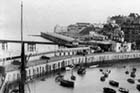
(67, 83)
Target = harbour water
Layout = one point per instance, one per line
(90, 82)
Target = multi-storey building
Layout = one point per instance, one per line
(131, 27)
(132, 33)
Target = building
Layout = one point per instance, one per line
(78, 26)
(113, 31)
(132, 33)
(131, 26)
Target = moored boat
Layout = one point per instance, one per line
(133, 75)
(73, 77)
(134, 69)
(59, 78)
(93, 66)
(106, 75)
(138, 87)
(66, 83)
(126, 72)
(114, 83)
(138, 80)
(102, 78)
(123, 90)
(68, 68)
(108, 90)
(132, 81)
(81, 70)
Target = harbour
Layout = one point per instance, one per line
(42, 67)
(91, 80)
(82, 57)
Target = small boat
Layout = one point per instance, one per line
(108, 90)
(134, 69)
(132, 75)
(71, 66)
(101, 70)
(138, 87)
(124, 66)
(132, 81)
(138, 80)
(81, 70)
(123, 90)
(73, 77)
(126, 72)
(114, 83)
(109, 71)
(68, 68)
(58, 78)
(106, 75)
(45, 57)
(93, 66)
(66, 83)
(102, 78)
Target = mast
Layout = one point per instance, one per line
(22, 69)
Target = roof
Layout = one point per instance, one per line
(101, 42)
(59, 36)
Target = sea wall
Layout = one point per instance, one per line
(36, 69)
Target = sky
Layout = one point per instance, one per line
(43, 15)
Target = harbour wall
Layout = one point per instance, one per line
(41, 68)
(44, 67)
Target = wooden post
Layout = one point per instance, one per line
(22, 70)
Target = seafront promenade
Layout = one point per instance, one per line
(61, 61)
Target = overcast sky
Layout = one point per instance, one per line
(43, 15)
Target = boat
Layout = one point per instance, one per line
(123, 90)
(133, 75)
(81, 70)
(68, 68)
(73, 77)
(108, 90)
(93, 66)
(138, 87)
(132, 81)
(138, 80)
(105, 75)
(114, 83)
(66, 83)
(101, 70)
(58, 78)
(126, 72)
(134, 69)
(44, 57)
(102, 78)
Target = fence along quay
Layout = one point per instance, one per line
(40, 67)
